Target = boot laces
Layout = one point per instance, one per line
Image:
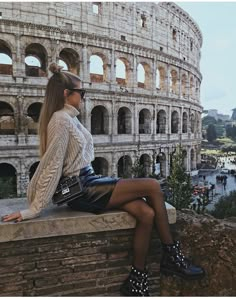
(179, 258)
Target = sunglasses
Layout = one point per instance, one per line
(81, 91)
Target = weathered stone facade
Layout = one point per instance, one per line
(129, 118)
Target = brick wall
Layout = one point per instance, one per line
(89, 264)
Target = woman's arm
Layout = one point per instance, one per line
(48, 173)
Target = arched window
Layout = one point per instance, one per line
(63, 64)
(125, 167)
(33, 113)
(7, 120)
(161, 122)
(174, 122)
(144, 122)
(124, 121)
(96, 69)
(8, 184)
(99, 120)
(185, 123)
(121, 75)
(5, 59)
(69, 59)
(145, 162)
(141, 76)
(100, 166)
(36, 61)
(192, 123)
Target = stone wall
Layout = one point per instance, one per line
(212, 243)
(93, 264)
(66, 253)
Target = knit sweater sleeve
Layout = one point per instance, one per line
(49, 170)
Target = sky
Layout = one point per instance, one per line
(217, 22)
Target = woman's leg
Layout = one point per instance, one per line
(128, 190)
(144, 215)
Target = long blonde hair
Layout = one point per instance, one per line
(54, 100)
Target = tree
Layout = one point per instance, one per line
(179, 182)
(226, 206)
(208, 120)
(138, 169)
(211, 133)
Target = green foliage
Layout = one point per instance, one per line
(138, 169)
(7, 187)
(226, 206)
(211, 133)
(231, 131)
(179, 183)
(208, 120)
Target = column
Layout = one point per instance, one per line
(85, 65)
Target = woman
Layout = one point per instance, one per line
(66, 148)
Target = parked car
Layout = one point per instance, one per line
(224, 171)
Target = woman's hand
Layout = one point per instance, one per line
(14, 216)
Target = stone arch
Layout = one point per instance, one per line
(174, 122)
(99, 120)
(5, 58)
(173, 81)
(124, 125)
(185, 158)
(185, 123)
(143, 75)
(39, 52)
(145, 121)
(146, 162)
(7, 120)
(8, 181)
(122, 71)
(100, 166)
(184, 85)
(98, 68)
(192, 122)
(71, 59)
(125, 166)
(33, 113)
(161, 122)
(162, 74)
(161, 164)
(33, 169)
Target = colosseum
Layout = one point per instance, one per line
(139, 63)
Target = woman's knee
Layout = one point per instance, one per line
(146, 215)
(154, 186)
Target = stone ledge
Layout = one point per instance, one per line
(59, 221)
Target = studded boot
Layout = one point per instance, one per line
(173, 262)
(136, 285)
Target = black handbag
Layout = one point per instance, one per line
(68, 189)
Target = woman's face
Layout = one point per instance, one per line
(74, 96)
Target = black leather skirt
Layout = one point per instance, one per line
(97, 191)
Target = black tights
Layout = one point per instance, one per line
(126, 196)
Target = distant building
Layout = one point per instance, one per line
(233, 117)
(214, 113)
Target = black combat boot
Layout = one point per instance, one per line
(173, 262)
(136, 285)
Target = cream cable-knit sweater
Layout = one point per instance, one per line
(69, 148)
